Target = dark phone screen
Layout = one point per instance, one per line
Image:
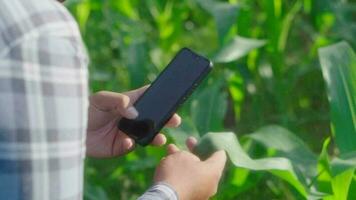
(171, 86)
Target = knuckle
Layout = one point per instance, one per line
(168, 159)
(96, 96)
(123, 100)
(102, 92)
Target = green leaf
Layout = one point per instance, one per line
(227, 141)
(126, 8)
(237, 48)
(341, 184)
(287, 23)
(288, 145)
(92, 192)
(236, 89)
(136, 62)
(343, 163)
(335, 177)
(324, 177)
(83, 12)
(352, 188)
(208, 108)
(225, 14)
(338, 64)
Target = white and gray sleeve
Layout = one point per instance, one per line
(160, 191)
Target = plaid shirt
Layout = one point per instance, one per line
(43, 104)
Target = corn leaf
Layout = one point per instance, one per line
(209, 108)
(237, 48)
(288, 145)
(227, 141)
(335, 177)
(136, 64)
(225, 14)
(338, 64)
(343, 163)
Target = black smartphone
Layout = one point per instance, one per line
(168, 91)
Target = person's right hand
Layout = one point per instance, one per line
(192, 178)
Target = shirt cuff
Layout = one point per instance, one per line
(160, 191)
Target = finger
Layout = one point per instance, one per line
(122, 144)
(159, 140)
(172, 148)
(174, 121)
(135, 94)
(107, 101)
(191, 142)
(130, 112)
(217, 161)
(128, 144)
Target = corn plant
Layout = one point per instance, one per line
(280, 100)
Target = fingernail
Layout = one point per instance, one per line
(179, 121)
(128, 143)
(131, 113)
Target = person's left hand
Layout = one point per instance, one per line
(104, 139)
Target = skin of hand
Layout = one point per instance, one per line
(192, 178)
(104, 139)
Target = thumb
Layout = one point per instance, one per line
(135, 94)
(110, 101)
(217, 160)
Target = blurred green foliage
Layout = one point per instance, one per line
(266, 71)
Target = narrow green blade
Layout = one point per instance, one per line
(338, 64)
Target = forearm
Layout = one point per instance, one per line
(160, 191)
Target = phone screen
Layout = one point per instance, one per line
(167, 92)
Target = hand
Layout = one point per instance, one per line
(104, 139)
(192, 178)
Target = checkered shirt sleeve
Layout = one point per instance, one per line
(160, 191)
(43, 101)
(43, 104)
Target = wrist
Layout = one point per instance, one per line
(168, 188)
(181, 191)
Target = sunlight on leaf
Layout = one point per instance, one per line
(83, 12)
(237, 48)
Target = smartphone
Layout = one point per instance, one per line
(167, 92)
